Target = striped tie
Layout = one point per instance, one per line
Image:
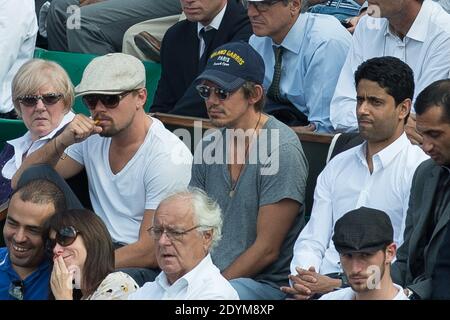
(274, 89)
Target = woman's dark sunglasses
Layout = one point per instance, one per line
(205, 91)
(64, 237)
(32, 100)
(110, 101)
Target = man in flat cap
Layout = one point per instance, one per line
(132, 161)
(364, 239)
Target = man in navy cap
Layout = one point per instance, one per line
(255, 168)
(364, 238)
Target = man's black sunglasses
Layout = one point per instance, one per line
(110, 101)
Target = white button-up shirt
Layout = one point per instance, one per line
(25, 144)
(346, 184)
(215, 24)
(425, 48)
(204, 282)
(18, 31)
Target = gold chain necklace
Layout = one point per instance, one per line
(234, 184)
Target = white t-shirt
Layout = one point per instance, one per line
(349, 294)
(161, 166)
(204, 282)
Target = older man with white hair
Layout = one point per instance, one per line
(186, 227)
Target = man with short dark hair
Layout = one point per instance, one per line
(375, 174)
(364, 238)
(24, 268)
(429, 203)
(255, 168)
(415, 31)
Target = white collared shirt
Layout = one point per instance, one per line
(204, 282)
(18, 31)
(425, 48)
(346, 184)
(215, 24)
(349, 294)
(25, 144)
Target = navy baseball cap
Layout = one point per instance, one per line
(232, 64)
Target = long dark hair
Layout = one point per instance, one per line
(97, 240)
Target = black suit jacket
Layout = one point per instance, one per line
(179, 61)
(417, 256)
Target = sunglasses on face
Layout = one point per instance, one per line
(261, 6)
(205, 91)
(110, 101)
(64, 237)
(47, 99)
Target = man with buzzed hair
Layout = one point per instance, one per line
(24, 268)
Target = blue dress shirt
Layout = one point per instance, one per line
(316, 48)
(35, 286)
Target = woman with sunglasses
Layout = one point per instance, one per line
(83, 258)
(42, 95)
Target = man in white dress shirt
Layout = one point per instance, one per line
(364, 239)
(415, 31)
(376, 174)
(186, 227)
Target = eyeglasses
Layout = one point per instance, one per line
(110, 101)
(17, 289)
(205, 91)
(172, 234)
(64, 237)
(48, 99)
(261, 6)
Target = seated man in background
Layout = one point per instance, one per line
(132, 161)
(364, 238)
(429, 204)
(24, 266)
(303, 54)
(186, 48)
(186, 227)
(375, 174)
(256, 170)
(98, 26)
(18, 31)
(415, 31)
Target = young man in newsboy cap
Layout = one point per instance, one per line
(257, 174)
(132, 161)
(364, 239)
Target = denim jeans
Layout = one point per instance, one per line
(339, 12)
(249, 289)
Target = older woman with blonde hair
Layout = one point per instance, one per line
(43, 96)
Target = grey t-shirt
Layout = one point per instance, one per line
(276, 169)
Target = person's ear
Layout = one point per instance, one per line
(295, 6)
(207, 239)
(142, 98)
(391, 252)
(256, 94)
(404, 108)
